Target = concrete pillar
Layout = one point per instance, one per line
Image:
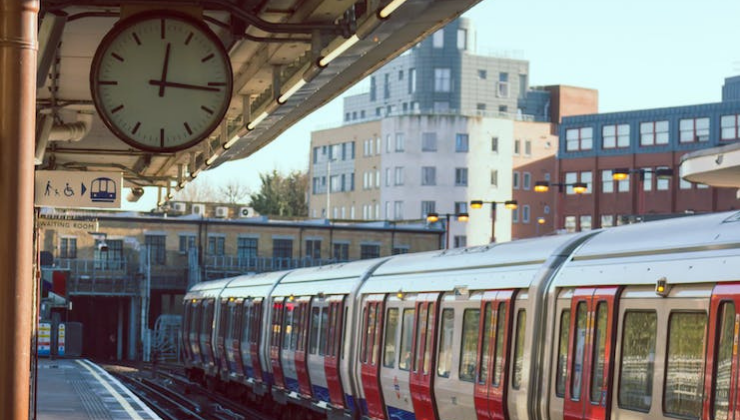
(133, 330)
(119, 335)
(18, 49)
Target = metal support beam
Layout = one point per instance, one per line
(50, 34)
(18, 49)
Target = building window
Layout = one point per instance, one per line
(400, 75)
(113, 258)
(607, 182)
(461, 207)
(387, 86)
(503, 85)
(282, 252)
(729, 124)
(526, 180)
(373, 89)
(494, 178)
(438, 39)
(387, 177)
(461, 177)
(428, 175)
(156, 244)
(515, 181)
(68, 248)
(570, 224)
(522, 85)
(525, 213)
(528, 147)
(441, 107)
(585, 222)
(461, 143)
(494, 144)
(341, 251)
(615, 136)
(428, 142)
(647, 179)
(398, 175)
(398, 210)
(368, 251)
(607, 220)
(515, 215)
(653, 133)
(216, 245)
(517, 146)
(412, 80)
(481, 108)
(460, 241)
(462, 39)
(400, 249)
(313, 249)
(579, 138)
(246, 248)
(684, 185)
(503, 109)
(187, 242)
(442, 79)
(426, 208)
(399, 142)
(661, 183)
(482, 74)
(693, 129)
(570, 179)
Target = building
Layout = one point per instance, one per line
(646, 143)
(109, 269)
(439, 127)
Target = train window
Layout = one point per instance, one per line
(247, 324)
(420, 327)
(295, 339)
(564, 339)
(521, 321)
(683, 392)
(344, 325)
(391, 326)
(638, 358)
(370, 338)
(207, 321)
(469, 344)
(256, 321)
(323, 331)
(498, 361)
(230, 324)
(196, 319)
(335, 332)
(407, 331)
(331, 331)
(314, 346)
(723, 359)
(444, 357)
(288, 327)
(487, 336)
(366, 338)
(599, 356)
(223, 320)
(427, 366)
(580, 344)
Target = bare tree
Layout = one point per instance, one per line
(196, 191)
(233, 192)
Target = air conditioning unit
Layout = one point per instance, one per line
(178, 207)
(222, 212)
(199, 209)
(246, 212)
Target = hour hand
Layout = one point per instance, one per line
(163, 83)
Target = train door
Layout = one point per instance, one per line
(318, 345)
(301, 362)
(521, 334)
(246, 339)
(372, 322)
(276, 336)
(233, 354)
(185, 337)
(722, 355)
(194, 334)
(290, 341)
(398, 355)
(422, 375)
(559, 362)
(591, 353)
(333, 380)
(220, 345)
(494, 337)
(205, 334)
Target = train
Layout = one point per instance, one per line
(632, 322)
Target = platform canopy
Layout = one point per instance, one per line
(274, 46)
(717, 166)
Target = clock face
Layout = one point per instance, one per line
(161, 81)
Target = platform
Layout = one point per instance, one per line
(77, 389)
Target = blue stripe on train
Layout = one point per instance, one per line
(320, 393)
(249, 371)
(398, 414)
(292, 384)
(350, 402)
(363, 406)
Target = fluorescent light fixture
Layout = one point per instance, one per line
(288, 93)
(171, 196)
(160, 204)
(256, 121)
(182, 184)
(212, 159)
(324, 61)
(390, 8)
(194, 174)
(229, 143)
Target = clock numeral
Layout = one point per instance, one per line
(161, 137)
(116, 109)
(136, 127)
(117, 57)
(187, 40)
(187, 127)
(136, 38)
(206, 58)
(216, 84)
(206, 109)
(108, 82)
(162, 30)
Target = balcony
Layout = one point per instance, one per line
(99, 277)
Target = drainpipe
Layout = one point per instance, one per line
(47, 132)
(18, 49)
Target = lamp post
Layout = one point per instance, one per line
(620, 174)
(509, 204)
(544, 186)
(434, 217)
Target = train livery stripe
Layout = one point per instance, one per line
(398, 414)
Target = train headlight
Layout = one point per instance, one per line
(661, 287)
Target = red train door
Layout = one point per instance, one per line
(722, 358)
(301, 364)
(333, 351)
(372, 322)
(590, 353)
(276, 338)
(422, 374)
(494, 343)
(255, 331)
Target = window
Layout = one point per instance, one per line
(721, 388)
(391, 326)
(426, 208)
(399, 142)
(503, 85)
(462, 39)
(460, 241)
(157, 249)
(623, 185)
(693, 129)
(428, 175)
(494, 178)
(438, 39)
(387, 86)
(373, 89)
(368, 251)
(585, 222)
(469, 345)
(528, 147)
(607, 182)
(494, 144)
(428, 142)
(653, 133)
(407, 331)
(388, 143)
(461, 176)
(684, 377)
(515, 216)
(412, 80)
(68, 247)
(525, 213)
(564, 339)
(398, 210)
(684, 185)
(503, 109)
(313, 249)
(579, 139)
(522, 85)
(638, 358)
(341, 251)
(607, 220)
(461, 207)
(615, 136)
(515, 181)
(579, 356)
(461, 143)
(570, 224)
(387, 177)
(398, 175)
(526, 180)
(482, 74)
(517, 146)
(400, 75)
(442, 79)
(729, 127)
(444, 358)
(662, 183)
(282, 252)
(521, 321)
(246, 248)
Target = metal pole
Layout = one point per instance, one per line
(447, 231)
(493, 222)
(18, 49)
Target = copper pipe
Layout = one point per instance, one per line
(18, 50)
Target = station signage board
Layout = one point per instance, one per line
(67, 224)
(76, 189)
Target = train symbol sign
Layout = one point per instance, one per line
(78, 189)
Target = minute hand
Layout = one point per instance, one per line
(161, 83)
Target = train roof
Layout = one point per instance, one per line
(255, 285)
(328, 279)
(676, 249)
(502, 265)
(208, 289)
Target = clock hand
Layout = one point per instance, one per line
(163, 83)
(164, 70)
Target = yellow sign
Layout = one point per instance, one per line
(84, 225)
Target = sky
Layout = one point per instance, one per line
(638, 54)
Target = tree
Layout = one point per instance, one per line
(233, 192)
(282, 195)
(198, 191)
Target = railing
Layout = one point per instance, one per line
(228, 266)
(99, 277)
